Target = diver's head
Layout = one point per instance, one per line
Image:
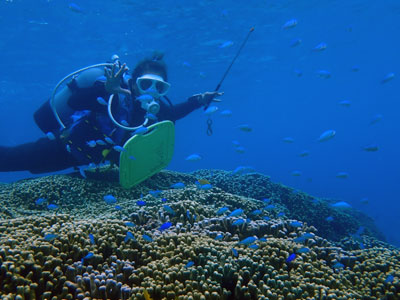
(150, 77)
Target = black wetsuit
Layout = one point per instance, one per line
(47, 155)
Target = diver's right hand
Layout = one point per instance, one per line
(113, 82)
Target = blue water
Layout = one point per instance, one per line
(42, 41)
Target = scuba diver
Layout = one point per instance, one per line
(89, 120)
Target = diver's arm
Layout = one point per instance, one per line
(194, 102)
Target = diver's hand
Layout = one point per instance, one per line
(206, 98)
(113, 82)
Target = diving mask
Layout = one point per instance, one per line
(153, 85)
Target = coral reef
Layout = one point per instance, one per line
(86, 248)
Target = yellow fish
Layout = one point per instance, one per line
(146, 295)
(203, 181)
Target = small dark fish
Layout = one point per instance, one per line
(189, 264)
(295, 42)
(371, 148)
(140, 203)
(169, 209)
(75, 7)
(165, 226)
(52, 206)
(235, 252)
(129, 236)
(110, 199)
(147, 238)
(49, 237)
(40, 201)
(91, 238)
(178, 185)
(291, 258)
(290, 24)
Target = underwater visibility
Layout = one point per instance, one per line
(195, 150)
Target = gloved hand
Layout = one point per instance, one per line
(113, 82)
(206, 98)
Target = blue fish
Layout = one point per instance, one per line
(155, 193)
(270, 207)
(249, 240)
(188, 214)
(88, 256)
(303, 250)
(225, 44)
(266, 200)
(226, 113)
(52, 206)
(110, 199)
(219, 237)
(91, 143)
(290, 24)
(164, 200)
(235, 252)
(338, 265)
(256, 212)
(117, 207)
(295, 42)
(40, 201)
(75, 7)
(130, 224)
(375, 119)
(304, 153)
(101, 101)
(341, 205)
(205, 187)
(211, 110)
(371, 148)
(299, 239)
(91, 238)
(178, 185)
(320, 47)
(327, 135)
(222, 210)
(101, 142)
(245, 128)
(49, 237)
(254, 246)
(389, 279)
(387, 78)
(165, 226)
(329, 219)
(263, 239)
(119, 149)
(140, 130)
(280, 214)
(140, 203)
(296, 224)
(50, 136)
(266, 218)
(147, 238)
(169, 209)
(307, 235)
(189, 264)
(345, 103)
(291, 258)
(236, 212)
(129, 236)
(238, 222)
(109, 140)
(324, 74)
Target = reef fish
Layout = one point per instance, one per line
(290, 24)
(226, 113)
(91, 239)
(40, 201)
(387, 78)
(147, 238)
(342, 175)
(291, 258)
(178, 185)
(341, 204)
(52, 206)
(320, 47)
(193, 157)
(129, 236)
(49, 237)
(189, 264)
(303, 250)
(295, 42)
(165, 226)
(238, 222)
(371, 148)
(211, 110)
(245, 128)
(327, 135)
(110, 199)
(169, 209)
(247, 241)
(140, 203)
(325, 74)
(101, 101)
(236, 212)
(222, 210)
(296, 224)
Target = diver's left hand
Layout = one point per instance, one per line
(206, 98)
(113, 82)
